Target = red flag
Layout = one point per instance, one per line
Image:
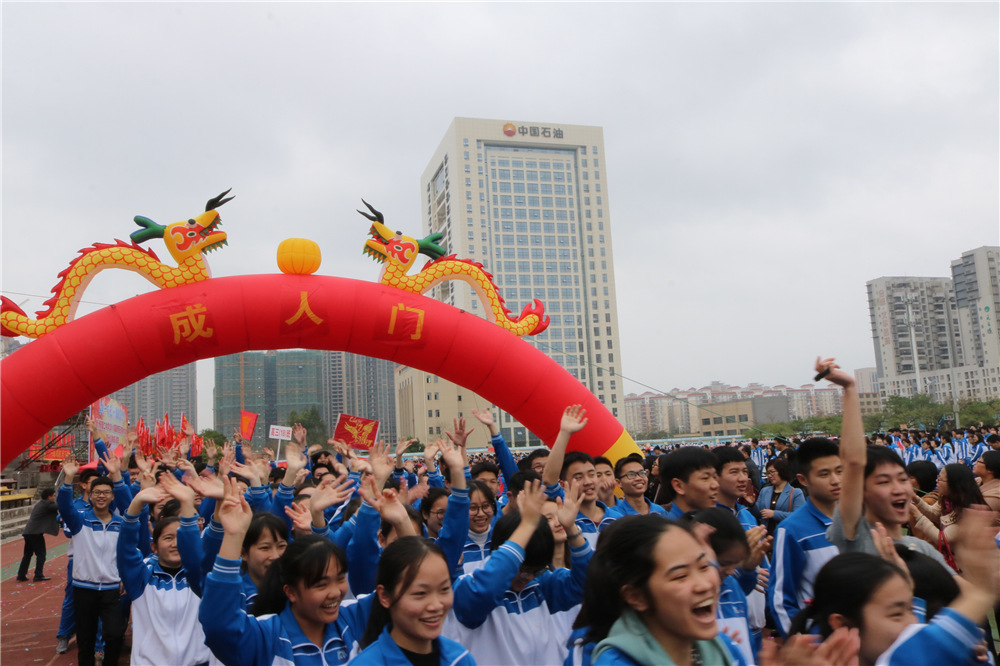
(358, 432)
(248, 421)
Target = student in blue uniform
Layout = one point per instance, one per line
(414, 596)
(505, 612)
(875, 596)
(164, 601)
(302, 615)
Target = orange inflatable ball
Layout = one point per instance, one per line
(298, 256)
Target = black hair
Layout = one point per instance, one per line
(963, 491)
(925, 472)
(991, 460)
(161, 524)
(725, 455)
(881, 455)
(993, 439)
(630, 458)
(86, 475)
(485, 490)
(931, 582)
(538, 553)
(572, 458)
(727, 529)
(316, 456)
(276, 474)
(397, 568)
(780, 465)
(524, 464)
(814, 448)
(351, 508)
(433, 495)
(519, 479)
(601, 460)
(48, 493)
(102, 481)
(300, 497)
(317, 466)
(170, 509)
(265, 521)
(625, 556)
(843, 586)
(681, 464)
(199, 466)
(305, 560)
(485, 466)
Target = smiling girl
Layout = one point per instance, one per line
(302, 617)
(414, 597)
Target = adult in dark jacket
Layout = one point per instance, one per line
(43, 520)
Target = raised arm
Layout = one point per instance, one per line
(574, 418)
(504, 458)
(852, 446)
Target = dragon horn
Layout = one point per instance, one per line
(149, 229)
(378, 216)
(218, 201)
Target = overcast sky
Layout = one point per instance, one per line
(764, 160)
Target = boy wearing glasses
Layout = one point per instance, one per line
(95, 569)
(632, 477)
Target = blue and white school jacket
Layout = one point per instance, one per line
(623, 508)
(500, 626)
(164, 606)
(732, 616)
(95, 543)
(800, 551)
(238, 639)
(950, 638)
(385, 652)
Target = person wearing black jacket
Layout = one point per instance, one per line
(43, 520)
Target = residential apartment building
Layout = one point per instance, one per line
(173, 392)
(936, 335)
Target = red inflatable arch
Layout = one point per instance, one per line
(57, 375)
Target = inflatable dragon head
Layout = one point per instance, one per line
(395, 247)
(184, 240)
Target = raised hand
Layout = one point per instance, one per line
(430, 452)
(388, 505)
(485, 416)
(228, 457)
(113, 465)
(233, 511)
(142, 462)
(529, 503)
(574, 418)
(829, 369)
(569, 508)
(330, 492)
(760, 544)
(92, 427)
(205, 487)
(176, 489)
(294, 457)
(153, 495)
(401, 447)
(248, 472)
(185, 465)
(300, 516)
(187, 429)
(237, 437)
(378, 458)
(70, 468)
(211, 451)
(460, 434)
(299, 433)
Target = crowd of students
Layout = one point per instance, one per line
(735, 555)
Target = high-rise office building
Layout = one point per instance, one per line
(271, 384)
(369, 391)
(529, 201)
(938, 335)
(172, 392)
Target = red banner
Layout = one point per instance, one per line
(248, 421)
(358, 432)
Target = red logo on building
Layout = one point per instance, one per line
(509, 129)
